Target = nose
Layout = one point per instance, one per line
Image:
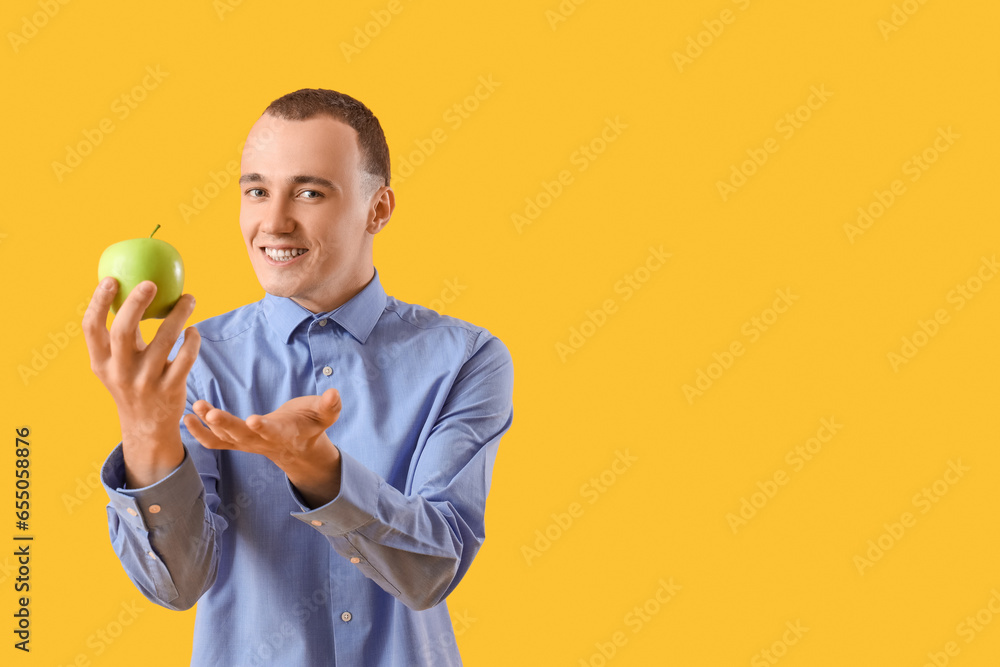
(277, 217)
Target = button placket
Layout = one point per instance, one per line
(323, 348)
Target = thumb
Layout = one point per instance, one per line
(329, 406)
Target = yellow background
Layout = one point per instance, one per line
(681, 129)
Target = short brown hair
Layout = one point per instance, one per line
(309, 102)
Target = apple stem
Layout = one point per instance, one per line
(154, 231)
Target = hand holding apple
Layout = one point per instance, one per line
(133, 261)
(149, 389)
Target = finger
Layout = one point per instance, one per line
(140, 344)
(278, 427)
(127, 320)
(185, 357)
(329, 407)
(95, 322)
(203, 434)
(201, 407)
(268, 429)
(227, 426)
(170, 330)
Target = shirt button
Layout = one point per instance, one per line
(355, 560)
(346, 616)
(322, 323)
(153, 509)
(316, 523)
(327, 371)
(132, 512)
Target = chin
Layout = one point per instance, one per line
(275, 287)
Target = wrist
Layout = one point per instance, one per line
(150, 456)
(316, 476)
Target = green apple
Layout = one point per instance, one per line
(133, 261)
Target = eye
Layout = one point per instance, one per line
(316, 194)
(251, 192)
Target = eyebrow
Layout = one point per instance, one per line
(292, 180)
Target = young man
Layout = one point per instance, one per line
(313, 468)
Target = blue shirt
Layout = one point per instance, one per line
(360, 581)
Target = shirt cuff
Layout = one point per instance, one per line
(354, 506)
(158, 504)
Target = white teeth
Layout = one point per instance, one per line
(283, 255)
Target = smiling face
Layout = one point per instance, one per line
(308, 211)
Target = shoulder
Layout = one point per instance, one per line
(230, 325)
(424, 322)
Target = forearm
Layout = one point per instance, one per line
(415, 548)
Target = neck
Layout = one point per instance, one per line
(343, 292)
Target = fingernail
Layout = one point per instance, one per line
(108, 284)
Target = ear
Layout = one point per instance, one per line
(383, 202)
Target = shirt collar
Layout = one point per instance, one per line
(357, 316)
